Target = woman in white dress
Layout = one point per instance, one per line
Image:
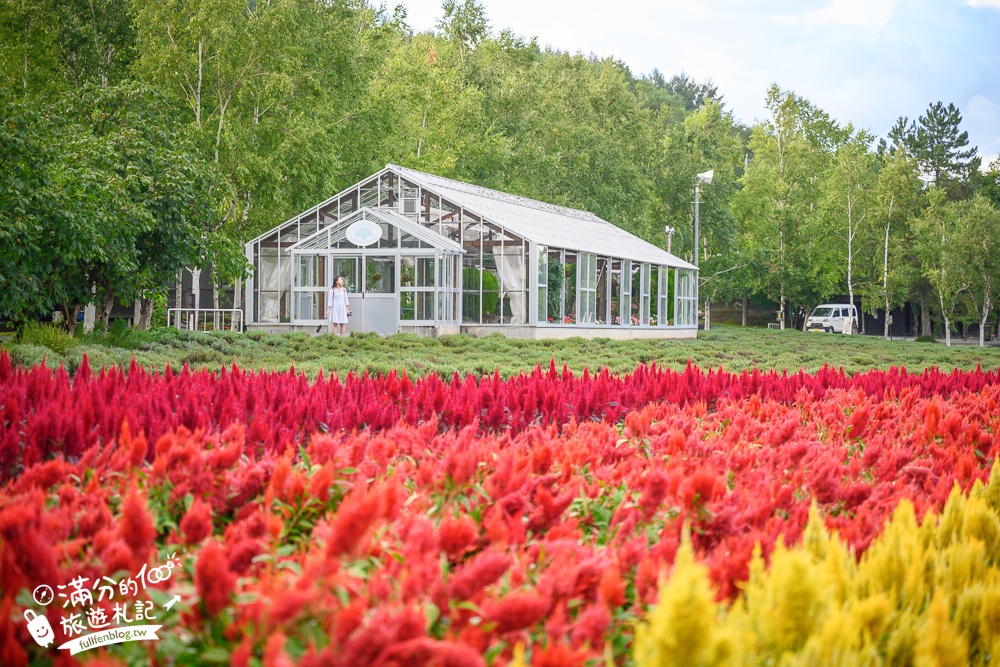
(339, 308)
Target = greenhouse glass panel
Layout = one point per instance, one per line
(543, 278)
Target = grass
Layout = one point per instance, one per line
(730, 348)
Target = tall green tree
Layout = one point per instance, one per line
(940, 148)
(848, 191)
(778, 201)
(937, 236)
(464, 24)
(976, 245)
(990, 187)
(275, 93)
(103, 198)
(51, 46)
(890, 263)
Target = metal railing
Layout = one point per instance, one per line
(206, 319)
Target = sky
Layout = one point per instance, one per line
(866, 62)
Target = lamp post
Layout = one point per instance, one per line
(706, 178)
(670, 235)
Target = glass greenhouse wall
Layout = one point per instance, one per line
(463, 266)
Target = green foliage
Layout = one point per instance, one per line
(940, 148)
(731, 348)
(778, 201)
(46, 335)
(476, 279)
(555, 283)
(104, 197)
(464, 24)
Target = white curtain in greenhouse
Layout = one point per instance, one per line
(510, 266)
(272, 283)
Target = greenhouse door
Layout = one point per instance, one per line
(379, 301)
(349, 268)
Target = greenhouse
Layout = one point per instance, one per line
(431, 255)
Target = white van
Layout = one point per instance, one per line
(834, 318)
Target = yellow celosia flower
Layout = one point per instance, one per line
(922, 594)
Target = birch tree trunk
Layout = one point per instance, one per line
(104, 308)
(885, 269)
(145, 314)
(69, 321)
(850, 250)
(196, 287)
(947, 322)
(984, 313)
(781, 318)
(925, 318)
(238, 294)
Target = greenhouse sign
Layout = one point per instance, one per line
(364, 233)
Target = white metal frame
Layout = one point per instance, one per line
(440, 251)
(197, 319)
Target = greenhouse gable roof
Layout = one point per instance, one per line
(327, 236)
(544, 223)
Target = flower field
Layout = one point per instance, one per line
(548, 519)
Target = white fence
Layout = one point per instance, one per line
(206, 319)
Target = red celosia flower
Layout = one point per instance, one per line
(230, 448)
(355, 514)
(276, 487)
(783, 432)
(517, 610)
(457, 535)
(213, 579)
(241, 554)
(591, 626)
(646, 576)
(654, 491)
(102, 659)
(319, 485)
(137, 448)
(558, 655)
(136, 524)
(611, 589)
(11, 652)
(117, 556)
(240, 657)
(478, 573)
(858, 423)
(702, 487)
(932, 417)
(349, 619)
(287, 605)
(197, 522)
(274, 652)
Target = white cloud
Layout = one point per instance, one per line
(980, 108)
(981, 117)
(995, 4)
(872, 14)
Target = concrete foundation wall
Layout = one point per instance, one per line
(432, 332)
(587, 333)
(523, 332)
